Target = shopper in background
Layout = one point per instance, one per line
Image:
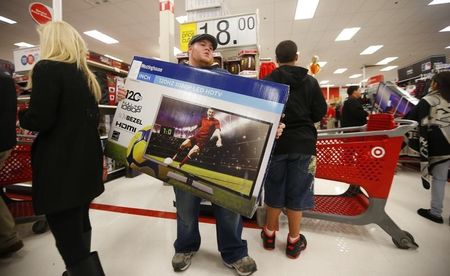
(290, 178)
(331, 116)
(353, 113)
(9, 241)
(67, 154)
(433, 115)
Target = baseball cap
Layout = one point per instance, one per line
(199, 37)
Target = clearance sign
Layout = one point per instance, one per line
(231, 31)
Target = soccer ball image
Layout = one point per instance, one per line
(136, 147)
(168, 161)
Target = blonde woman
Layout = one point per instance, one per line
(67, 154)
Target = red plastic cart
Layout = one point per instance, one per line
(17, 169)
(364, 159)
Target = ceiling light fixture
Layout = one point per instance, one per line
(113, 57)
(306, 9)
(388, 68)
(347, 34)
(7, 20)
(386, 60)
(23, 44)
(371, 49)
(324, 82)
(446, 29)
(322, 63)
(101, 36)
(448, 47)
(355, 76)
(340, 70)
(437, 2)
(352, 84)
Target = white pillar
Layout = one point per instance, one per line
(166, 30)
(57, 10)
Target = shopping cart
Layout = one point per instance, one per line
(365, 159)
(17, 169)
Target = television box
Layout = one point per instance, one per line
(167, 106)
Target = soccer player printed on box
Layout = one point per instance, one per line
(290, 177)
(207, 129)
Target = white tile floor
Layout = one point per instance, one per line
(134, 245)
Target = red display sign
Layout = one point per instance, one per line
(375, 79)
(40, 13)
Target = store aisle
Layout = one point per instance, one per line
(136, 240)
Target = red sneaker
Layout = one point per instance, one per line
(293, 250)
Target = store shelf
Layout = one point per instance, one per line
(116, 174)
(23, 98)
(106, 67)
(107, 106)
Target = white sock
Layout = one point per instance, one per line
(269, 232)
(292, 240)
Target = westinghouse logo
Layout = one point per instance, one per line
(151, 68)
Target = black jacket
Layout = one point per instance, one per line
(353, 114)
(8, 110)
(305, 106)
(67, 153)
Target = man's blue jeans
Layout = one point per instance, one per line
(228, 228)
(440, 172)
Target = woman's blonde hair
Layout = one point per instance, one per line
(61, 42)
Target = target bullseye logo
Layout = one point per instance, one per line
(378, 152)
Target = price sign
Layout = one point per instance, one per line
(233, 31)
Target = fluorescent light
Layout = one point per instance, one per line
(101, 36)
(347, 34)
(181, 19)
(322, 63)
(23, 44)
(388, 68)
(355, 76)
(340, 70)
(328, 85)
(7, 20)
(448, 47)
(176, 51)
(352, 84)
(386, 60)
(446, 29)
(324, 82)
(437, 2)
(113, 57)
(371, 49)
(305, 9)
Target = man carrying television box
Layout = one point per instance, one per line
(232, 247)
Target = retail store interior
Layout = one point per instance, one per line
(394, 48)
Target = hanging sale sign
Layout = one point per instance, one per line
(40, 13)
(232, 31)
